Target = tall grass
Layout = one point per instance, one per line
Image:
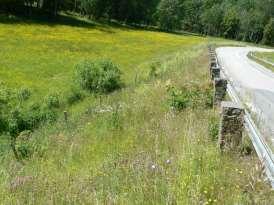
(131, 147)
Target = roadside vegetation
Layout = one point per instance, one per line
(264, 58)
(268, 56)
(138, 126)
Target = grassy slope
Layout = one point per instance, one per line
(108, 158)
(265, 56)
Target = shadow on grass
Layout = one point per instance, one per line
(63, 19)
(67, 19)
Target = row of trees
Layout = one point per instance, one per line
(248, 20)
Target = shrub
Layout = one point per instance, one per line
(213, 128)
(193, 97)
(52, 101)
(22, 145)
(23, 94)
(179, 99)
(100, 76)
(29, 118)
(5, 95)
(208, 98)
(74, 95)
(153, 72)
(3, 123)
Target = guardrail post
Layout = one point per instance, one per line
(215, 72)
(231, 127)
(220, 87)
(66, 116)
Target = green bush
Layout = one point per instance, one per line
(101, 76)
(29, 118)
(3, 123)
(5, 95)
(52, 101)
(213, 128)
(193, 97)
(74, 95)
(22, 145)
(153, 72)
(179, 99)
(23, 94)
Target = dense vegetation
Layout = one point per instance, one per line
(248, 20)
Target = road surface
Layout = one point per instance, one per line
(253, 83)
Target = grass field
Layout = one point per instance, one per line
(128, 147)
(42, 56)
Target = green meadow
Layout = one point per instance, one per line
(42, 56)
(130, 146)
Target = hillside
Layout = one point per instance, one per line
(131, 146)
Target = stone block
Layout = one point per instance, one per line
(231, 126)
(220, 87)
(215, 72)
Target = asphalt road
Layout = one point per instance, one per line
(253, 83)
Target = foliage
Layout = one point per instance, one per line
(169, 13)
(269, 33)
(231, 23)
(52, 100)
(180, 99)
(154, 70)
(212, 19)
(23, 94)
(29, 118)
(74, 95)
(193, 10)
(193, 97)
(252, 26)
(101, 76)
(213, 128)
(96, 8)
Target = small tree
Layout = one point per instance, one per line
(212, 20)
(101, 76)
(231, 23)
(269, 33)
(169, 13)
(94, 8)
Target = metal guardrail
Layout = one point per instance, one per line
(262, 149)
